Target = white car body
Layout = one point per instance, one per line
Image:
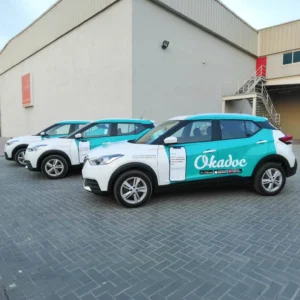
(66, 146)
(71, 150)
(14, 148)
(13, 143)
(133, 153)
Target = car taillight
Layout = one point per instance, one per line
(287, 139)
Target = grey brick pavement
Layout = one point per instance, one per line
(59, 242)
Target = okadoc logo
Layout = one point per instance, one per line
(202, 161)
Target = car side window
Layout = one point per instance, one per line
(126, 128)
(79, 126)
(98, 130)
(129, 128)
(141, 127)
(233, 129)
(251, 128)
(60, 129)
(194, 132)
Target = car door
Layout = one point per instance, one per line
(191, 158)
(92, 137)
(97, 134)
(242, 144)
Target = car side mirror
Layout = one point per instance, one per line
(171, 140)
(43, 133)
(78, 136)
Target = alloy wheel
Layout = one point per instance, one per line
(54, 167)
(272, 180)
(21, 157)
(134, 190)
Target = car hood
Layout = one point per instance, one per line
(124, 148)
(52, 143)
(25, 139)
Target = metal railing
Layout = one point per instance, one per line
(251, 86)
(269, 105)
(245, 86)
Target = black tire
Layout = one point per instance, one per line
(261, 174)
(19, 157)
(61, 161)
(145, 182)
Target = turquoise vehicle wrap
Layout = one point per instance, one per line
(193, 149)
(235, 150)
(54, 157)
(110, 131)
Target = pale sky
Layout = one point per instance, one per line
(15, 15)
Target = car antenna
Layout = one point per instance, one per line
(143, 114)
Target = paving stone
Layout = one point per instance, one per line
(221, 243)
(290, 290)
(239, 290)
(273, 290)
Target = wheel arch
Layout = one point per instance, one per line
(275, 158)
(18, 148)
(52, 152)
(133, 166)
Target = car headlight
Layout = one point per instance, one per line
(11, 142)
(36, 148)
(104, 160)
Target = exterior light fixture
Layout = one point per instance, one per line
(165, 44)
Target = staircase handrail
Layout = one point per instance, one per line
(269, 105)
(247, 85)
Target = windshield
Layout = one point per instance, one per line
(156, 132)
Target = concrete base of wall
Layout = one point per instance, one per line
(2, 143)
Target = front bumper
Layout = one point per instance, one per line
(91, 185)
(8, 152)
(29, 166)
(97, 174)
(292, 171)
(6, 156)
(31, 159)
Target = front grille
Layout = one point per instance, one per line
(28, 164)
(93, 185)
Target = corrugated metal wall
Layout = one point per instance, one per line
(279, 38)
(67, 14)
(214, 16)
(61, 18)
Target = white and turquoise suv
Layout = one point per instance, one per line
(15, 148)
(201, 148)
(54, 157)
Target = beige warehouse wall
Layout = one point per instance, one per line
(283, 37)
(288, 105)
(275, 68)
(87, 74)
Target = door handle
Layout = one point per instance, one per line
(262, 142)
(209, 151)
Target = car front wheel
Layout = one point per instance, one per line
(133, 188)
(20, 157)
(54, 167)
(270, 179)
